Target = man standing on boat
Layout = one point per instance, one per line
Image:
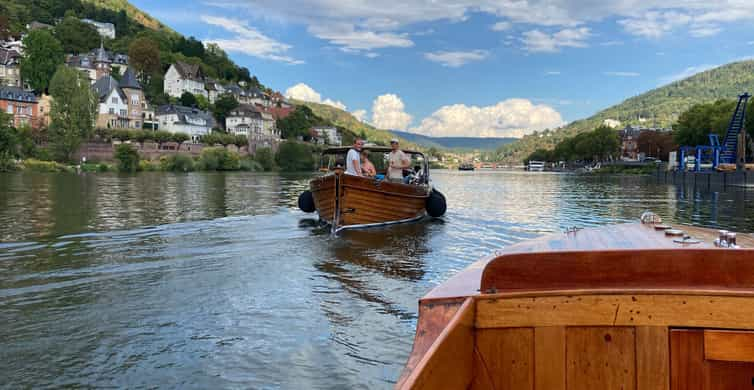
(353, 158)
(398, 162)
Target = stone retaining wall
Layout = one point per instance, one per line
(94, 151)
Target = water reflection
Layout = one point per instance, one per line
(209, 280)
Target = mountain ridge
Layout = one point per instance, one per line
(659, 106)
(465, 143)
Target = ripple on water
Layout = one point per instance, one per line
(215, 280)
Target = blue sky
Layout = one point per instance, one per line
(475, 68)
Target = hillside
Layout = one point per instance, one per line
(465, 143)
(134, 13)
(658, 107)
(344, 119)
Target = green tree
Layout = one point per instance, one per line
(8, 143)
(295, 157)
(76, 36)
(202, 102)
(224, 104)
(695, 124)
(265, 158)
(73, 111)
(128, 158)
(188, 99)
(42, 56)
(298, 123)
(4, 27)
(144, 56)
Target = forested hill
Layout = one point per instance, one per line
(658, 107)
(465, 143)
(345, 120)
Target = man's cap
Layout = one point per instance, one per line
(394, 141)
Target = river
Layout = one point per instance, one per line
(211, 280)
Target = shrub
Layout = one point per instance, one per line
(102, 167)
(177, 163)
(248, 164)
(34, 165)
(148, 166)
(295, 157)
(219, 159)
(265, 159)
(180, 137)
(128, 158)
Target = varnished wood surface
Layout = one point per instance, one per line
(448, 364)
(639, 309)
(433, 318)
(354, 200)
(550, 358)
(652, 358)
(600, 358)
(507, 357)
(623, 236)
(710, 269)
(731, 346)
(687, 359)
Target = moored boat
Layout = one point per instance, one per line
(466, 167)
(349, 202)
(630, 306)
(536, 166)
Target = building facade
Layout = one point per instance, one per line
(21, 104)
(189, 120)
(105, 30)
(10, 74)
(256, 124)
(327, 135)
(121, 103)
(182, 77)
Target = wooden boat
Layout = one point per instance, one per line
(617, 307)
(466, 167)
(348, 202)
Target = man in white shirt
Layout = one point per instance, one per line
(398, 162)
(353, 158)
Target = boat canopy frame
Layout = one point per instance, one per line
(377, 149)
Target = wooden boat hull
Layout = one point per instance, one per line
(623, 307)
(349, 202)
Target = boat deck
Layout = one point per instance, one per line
(624, 236)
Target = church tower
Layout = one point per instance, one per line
(102, 62)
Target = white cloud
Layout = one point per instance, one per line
(701, 31)
(335, 103)
(501, 26)
(361, 115)
(538, 41)
(622, 74)
(508, 118)
(455, 59)
(306, 93)
(612, 43)
(352, 40)
(249, 41)
(553, 73)
(388, 112)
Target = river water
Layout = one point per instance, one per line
(208, 280)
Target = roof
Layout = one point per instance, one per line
(101, 54)
(17, 94)
(104, 86)
(38, 25)
(188, 71)
(129, 79)
(184, 113)
(245, 110)
(8, 57)
(378, 149)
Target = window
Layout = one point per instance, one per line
(10, 108)
(123, 113)
(111, 111)
(115, 100)
(138, 124)
(135, 100)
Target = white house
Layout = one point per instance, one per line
(180, 119)
(244, 120)
(327, 135)
(182, 77)
(106, 30)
